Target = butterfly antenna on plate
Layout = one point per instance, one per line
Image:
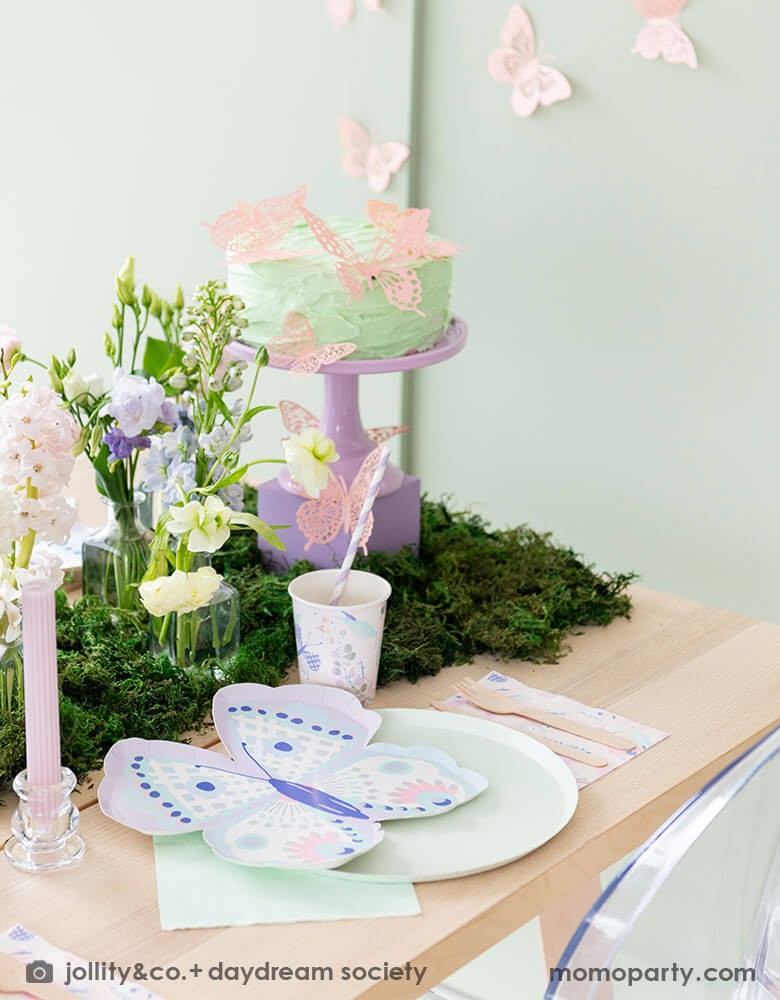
(257, 762)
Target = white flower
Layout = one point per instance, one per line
(10, 528)
(44, 565)
(10, 612)
(206, 525)
(55, 519)
(214, 443)
(73, 385)
(10, 344)
(308, 455)
(179, 592)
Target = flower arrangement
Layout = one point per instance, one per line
(35, 465)
(115, 428)
(197, 467)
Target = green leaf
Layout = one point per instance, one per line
(234, 477)
(251, 414)
(160, 357)
(247, 520)
(220, 404)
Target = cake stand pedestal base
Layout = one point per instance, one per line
(396, 523)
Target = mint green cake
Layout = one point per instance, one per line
(309, 285)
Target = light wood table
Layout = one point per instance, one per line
(710, 678)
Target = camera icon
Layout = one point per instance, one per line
(40, 972)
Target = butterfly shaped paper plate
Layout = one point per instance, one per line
(302, 787)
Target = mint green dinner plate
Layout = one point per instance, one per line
(531, 796)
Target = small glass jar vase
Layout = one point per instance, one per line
(11, 677)
(115, 558)
(206, 637)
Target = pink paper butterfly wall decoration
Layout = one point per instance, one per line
(517, 62)
(300, 343)
(662, 35)
(341, 12)
(390, 217)
(296, 418)
(338, 507)
(387, 263)
(253, 232)
(365, 156)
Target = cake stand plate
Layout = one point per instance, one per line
(397, 508)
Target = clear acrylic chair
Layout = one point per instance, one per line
(700, 898)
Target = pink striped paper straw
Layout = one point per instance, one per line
(357, 534)
(41, 691)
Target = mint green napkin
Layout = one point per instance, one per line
(195, 888)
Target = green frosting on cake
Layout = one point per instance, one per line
(309, 285)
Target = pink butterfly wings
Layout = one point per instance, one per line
(389, 218)
(662, 36)
(300, 342)
(253, 232)
(364, 157)
(387, 264)
(341, 12)
(296, 418)
(338, 507)
(517, 62)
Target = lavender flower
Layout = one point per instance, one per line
(135, 403)
(179, 482)
(121, 446)
(154, 469)
(233, 496)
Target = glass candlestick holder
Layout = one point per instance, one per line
(44, 825)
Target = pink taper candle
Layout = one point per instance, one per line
(41, 690)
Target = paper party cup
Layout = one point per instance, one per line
(340, 646)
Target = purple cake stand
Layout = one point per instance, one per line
(397, 507)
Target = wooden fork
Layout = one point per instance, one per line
(502, 704)
(573, 753)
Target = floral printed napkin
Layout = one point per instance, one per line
(567, 708)
(28, 948)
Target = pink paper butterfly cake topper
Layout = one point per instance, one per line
(388, 262)
(365, 156)
(518, 63)
(389, 218)
(662, 35)
(253, 232)
(297, 418)
(338, 507)
(341, 12)
(301, 787)
(299, 342)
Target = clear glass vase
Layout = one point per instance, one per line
(204, 638)
(11, 677)
(115, 558)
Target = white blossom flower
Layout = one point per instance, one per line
(10, 344)
(213, 444)
(10, 528)
(180, 591)
(44, 565)
(10, 612)
(179, 482)
(308, 455)
(206, 525)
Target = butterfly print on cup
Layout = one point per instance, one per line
(517, 62)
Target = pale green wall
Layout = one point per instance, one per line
(620, 383)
